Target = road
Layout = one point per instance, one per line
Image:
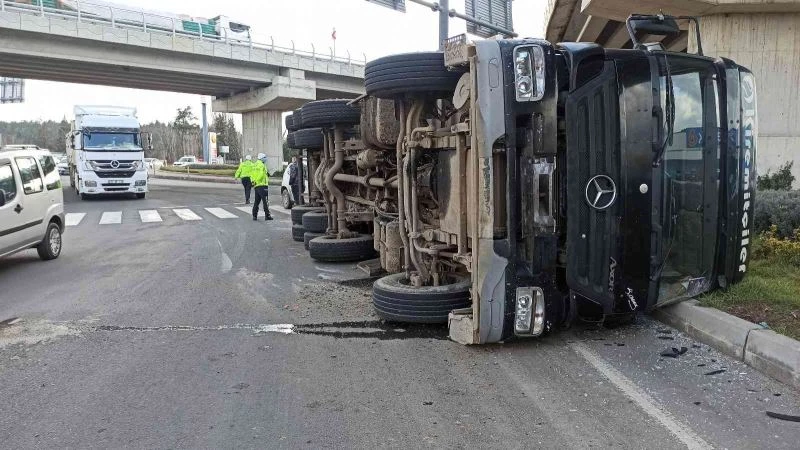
(172, 334)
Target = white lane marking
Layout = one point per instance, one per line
(74, 219)
(187, 214)
(648, 404)
(150, 215)
(221, 213)
(249, 211)
(111, 217)
(283, 328)
(280, 210)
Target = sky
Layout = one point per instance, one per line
(361, 28)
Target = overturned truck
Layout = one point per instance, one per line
(509, 187)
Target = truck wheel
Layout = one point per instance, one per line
(309, 138)
(286, 201)
(299, 210)
(297, 233)
(326, 113)
(415, 73)
(289, 121)
(297, 120)
(290, 140)
(308, 236)
(396, 300)
(141, 195)
(50, 247)
(316, 222)
(330, 249)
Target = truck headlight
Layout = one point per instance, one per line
(141, 183)
(529, 73)
(529, 311)
(89, 165)
(89, 183)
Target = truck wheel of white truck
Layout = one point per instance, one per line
(397, 300)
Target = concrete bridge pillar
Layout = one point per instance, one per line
(769, 45)
(261, 109)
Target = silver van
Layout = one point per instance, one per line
(31, 202)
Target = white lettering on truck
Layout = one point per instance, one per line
(748, 125)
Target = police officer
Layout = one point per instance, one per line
(260, 179)
(243, 173)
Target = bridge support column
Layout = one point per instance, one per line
(262, 132)
(261, 109)
(769, 45)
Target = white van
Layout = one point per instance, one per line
(31, 202)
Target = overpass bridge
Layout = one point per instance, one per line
(257, 80)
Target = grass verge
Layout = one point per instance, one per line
(770, 292)
(217, 172)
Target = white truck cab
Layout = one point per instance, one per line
(105, 148)
(31, 202)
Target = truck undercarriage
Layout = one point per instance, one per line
(508, 187)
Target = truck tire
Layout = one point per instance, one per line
(297, 233)
(289, 122)
(315, 222)
(308, 138)
(396, 300)
(297, 120)
(50, 247)
(327, 113)
(300, 210)
(409, 73)
(330, 249)
(290, 142)
(309, 236)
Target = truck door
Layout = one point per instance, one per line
(688, 176)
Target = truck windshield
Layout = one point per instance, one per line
(690, 185)
(111, 141)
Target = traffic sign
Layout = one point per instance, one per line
(496, 12)
(397, 5)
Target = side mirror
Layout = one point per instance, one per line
(2, 198)
(660, 25)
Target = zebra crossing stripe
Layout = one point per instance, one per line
(149, 216)
(73, 219)
(249, 210)
(221, 213)
(187, 214)
(111, 217)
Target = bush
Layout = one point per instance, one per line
(783, 250)
(213, 166)
(779, 181)
(778, 208)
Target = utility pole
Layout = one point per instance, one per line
(444, 22)
(205, 133)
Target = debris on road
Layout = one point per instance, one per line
(674, 352)
(715, 372)
(787, 417)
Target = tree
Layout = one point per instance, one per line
(189, 139)
(227, 135)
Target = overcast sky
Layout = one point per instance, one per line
(361, 27)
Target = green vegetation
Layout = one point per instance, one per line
(781, 180)
(204, 171)
(770, 292)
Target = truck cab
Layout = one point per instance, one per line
(105, 148)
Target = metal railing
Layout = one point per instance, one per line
(86, 11)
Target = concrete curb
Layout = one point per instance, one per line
(773, 354)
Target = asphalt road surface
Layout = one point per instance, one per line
(167, 329)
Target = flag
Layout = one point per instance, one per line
(333, 35)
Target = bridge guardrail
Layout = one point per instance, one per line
(87, 11)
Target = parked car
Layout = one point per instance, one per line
(186, 160)
(287, 196)
(153, 163)
(63, 166)
(31, 202)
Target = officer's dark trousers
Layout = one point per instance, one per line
(262, 195)
(247, 186)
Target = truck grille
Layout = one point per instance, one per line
(592, 149)
(115, 173)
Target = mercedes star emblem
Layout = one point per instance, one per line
(115, 164)
(601, 191)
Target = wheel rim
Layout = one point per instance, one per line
(55, 241)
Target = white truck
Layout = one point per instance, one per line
(105, 149)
